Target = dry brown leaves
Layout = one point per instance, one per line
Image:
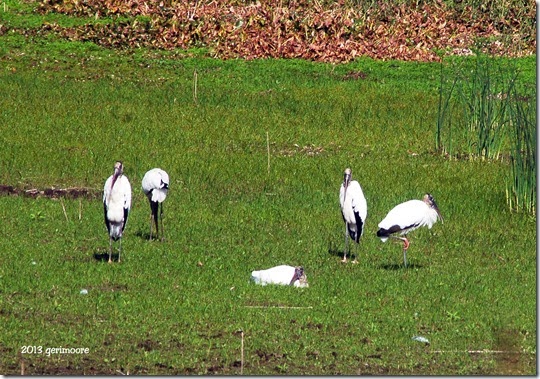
(305, 29)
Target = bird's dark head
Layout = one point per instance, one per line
(430, 201)
(118, 167)
(300, 275)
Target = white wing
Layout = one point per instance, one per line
(353, 207)
(127, 192)
(359, 203)
(408, 216)
(354, 202)
(156, 182)
(276, 275)
(107, 190)
(117, 204)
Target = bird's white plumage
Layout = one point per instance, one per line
(278, 275)
(409, 216)
(353, 202)
(155, 184)
(117, 204)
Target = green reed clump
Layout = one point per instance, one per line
(473, 103)
(521, 185)
(487, 112)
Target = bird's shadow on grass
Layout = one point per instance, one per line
(104, 257)
(143, 235)
(332, 250)
(401, 266)
(340, 253)
(146, 236)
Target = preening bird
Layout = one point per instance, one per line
(353, 209)
(155, 185)
(284, 275)
(116, 205)
(406, 217)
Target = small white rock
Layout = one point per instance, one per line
(84, 291)
(421, 339)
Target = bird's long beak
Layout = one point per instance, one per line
(437, 210)
(346, 181)
(116, 174)
(298, 272)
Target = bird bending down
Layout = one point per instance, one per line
(353, 209)
(155, 185)
(406, 217)
(116, 205)
(284, 275)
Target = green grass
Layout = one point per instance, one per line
(176, 307)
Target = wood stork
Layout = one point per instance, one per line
(284, 275)
(116, 205)
(155, 185)
(406, 217)
(353, 209)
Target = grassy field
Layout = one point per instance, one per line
(69, 110)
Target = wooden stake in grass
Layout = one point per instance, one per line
(80, 209)
(195, 86)
(64, 209)
(242, 352)
(268, 150)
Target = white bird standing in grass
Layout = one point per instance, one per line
(353, 209)
(284, 275)
(406, 217)
(116, 205)
(155, 185)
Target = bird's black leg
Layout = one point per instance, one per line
(405, 257)
(154, 205)
(355, 253)
(346, 244)
(151, 226)
(110, 250)
(120, 251)
(161, 220)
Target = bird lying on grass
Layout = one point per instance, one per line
(283, 275)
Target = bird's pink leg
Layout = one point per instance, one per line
(405, 247)
(405, 243)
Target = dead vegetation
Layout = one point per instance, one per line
(337, 31)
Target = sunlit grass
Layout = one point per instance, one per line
(176, 307)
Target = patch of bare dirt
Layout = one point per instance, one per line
(52, 192)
